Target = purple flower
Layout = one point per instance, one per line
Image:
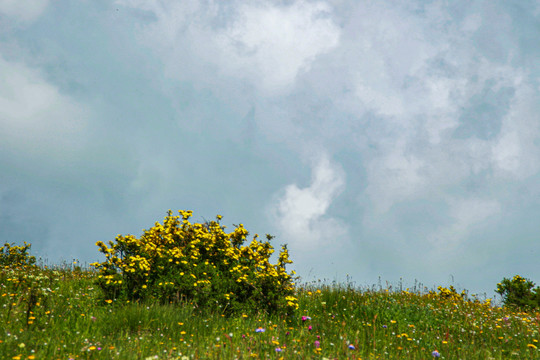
(384, 326)
(304, 318)
(309, 328)
(351, 346)
(259, 330)
(317, 344)
(278, 349)
(435, 353)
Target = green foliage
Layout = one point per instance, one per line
(199, 263)
(11, 255)
(519, 292)
(332, 322)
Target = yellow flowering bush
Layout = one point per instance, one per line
(199, 263)
(450, 294)
(12, 255)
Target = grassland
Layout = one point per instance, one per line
(58, 313)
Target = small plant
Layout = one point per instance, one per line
(518, 292)
(199, 263)
(20, 275)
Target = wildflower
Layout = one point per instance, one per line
(317, 344)
(351, 346)
(532, 346)
(309, 328)
(305, 318)
(278, 349)
(260, 330)
(435, 353)
(384, 326)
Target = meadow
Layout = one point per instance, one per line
(59, 313)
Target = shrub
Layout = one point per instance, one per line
(519, 293)
(11, 255)
(450, 294)
(200, 263)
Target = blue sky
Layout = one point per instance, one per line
(380, 140)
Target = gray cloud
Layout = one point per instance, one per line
(24, 11)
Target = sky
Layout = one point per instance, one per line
(385, 142)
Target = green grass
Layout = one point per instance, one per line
(58, 314)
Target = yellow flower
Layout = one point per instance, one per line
(532, 346)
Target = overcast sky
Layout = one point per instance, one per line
(379, 139)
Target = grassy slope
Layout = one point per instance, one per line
(57, 314)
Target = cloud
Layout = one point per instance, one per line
(465, 214)
(432, 100)
(272, 44)
(516, 149)
(35, 118)
(23, 10)
(301, 214)
(264, 43)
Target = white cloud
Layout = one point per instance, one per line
(272, 44)
(465, 214)
(516, 152)
(35, 118)
(301, 213)
(23, 10)
(394, 177)
(265, 43)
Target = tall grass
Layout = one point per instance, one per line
(58, 314)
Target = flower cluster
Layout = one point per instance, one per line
(200, 263)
